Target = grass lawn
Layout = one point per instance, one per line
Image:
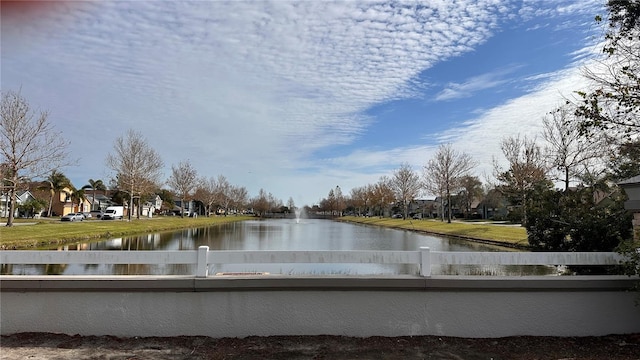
(30, 233)
(509, 235)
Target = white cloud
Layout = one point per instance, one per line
(245, 87)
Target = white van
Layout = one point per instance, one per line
(113, 213)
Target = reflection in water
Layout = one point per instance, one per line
(281, 234)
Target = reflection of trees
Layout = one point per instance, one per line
(6, 269)
(54, 269)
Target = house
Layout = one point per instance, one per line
(22, 198)
(98, 200)
(493, 206)
(427, 208)
(61, 202)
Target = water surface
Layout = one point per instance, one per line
(281, 234)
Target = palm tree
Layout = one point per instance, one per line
(77, 197)
(95, 185)
(55, 182)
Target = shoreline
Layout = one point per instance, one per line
(402, 225)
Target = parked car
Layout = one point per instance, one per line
(87, 215)
(72, 217)
(396, 216)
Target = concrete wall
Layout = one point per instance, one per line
(352, 306)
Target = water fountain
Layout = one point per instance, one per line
(300, 214)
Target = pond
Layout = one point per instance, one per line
(281, 234)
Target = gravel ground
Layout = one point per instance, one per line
(57, 346)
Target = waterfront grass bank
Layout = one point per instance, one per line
(487, 232)
(30, 233)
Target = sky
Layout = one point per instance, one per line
(296, 97)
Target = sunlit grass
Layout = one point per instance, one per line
(54, 231)
(513, 235)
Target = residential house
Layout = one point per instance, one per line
(98, 200)
(22, 197)
(493, 206)
(426, 208)
(61, 203)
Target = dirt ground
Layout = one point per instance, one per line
(49, 346)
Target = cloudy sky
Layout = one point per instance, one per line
(296, 97)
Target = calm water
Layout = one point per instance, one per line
(281, 234)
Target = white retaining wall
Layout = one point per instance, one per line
(352, 306)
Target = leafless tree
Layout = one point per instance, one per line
(570, 153)
(527, 169)
(29, 145)
(382, 194)
(136, 164)
(223, 193)
(406, 186)
(444, 171)
(206, 192)
(361, 198)
(239, 196)
(183, 181)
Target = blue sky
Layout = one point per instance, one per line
(296, 97)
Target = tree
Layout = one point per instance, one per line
(471, 189)
(339, 201)
(29, 145)
(260, 204)
(360, 198)
(444, 171)
(223, 193)
(527, 170)
(183, 181)
(56, 182)
(570, 153)
(238, 196)
(406, 186)
(77, 197)
(624, 162)
(94, 185)
(578, 220)
(32, 207)
(613, 102)
(382, 195)
(206, 192)
(136, 164)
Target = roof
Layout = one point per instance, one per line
(630, 181)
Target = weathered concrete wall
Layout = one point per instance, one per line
(353, 306)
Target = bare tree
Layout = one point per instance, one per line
(527, 169)
(406, 186)
(239, 196)
(136, 164)
(29, 145)
(361, 198)
(206, 192)
(444, 171)
(183, 181)
(223, 193)
(382, 194)
(570, 153)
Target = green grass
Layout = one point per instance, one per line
(38, 233)
(509, 235)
